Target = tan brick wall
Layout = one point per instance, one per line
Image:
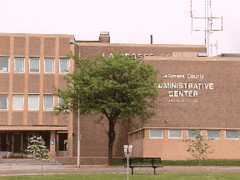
(49, 47)
(19, 46)
(17, 86)
(31, 45)
(216, 108)
(176, 149)
(4, 45)
(212, 109)
(64, 48)
(98, 49)
(17, 118)
(4, 118)
(49, 84)
(33, 83)
(4, 81)
(34, 46)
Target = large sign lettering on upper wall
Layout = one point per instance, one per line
(182, 87)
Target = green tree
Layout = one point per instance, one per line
(118, 87)
(37, 148)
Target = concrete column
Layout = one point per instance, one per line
(22, 142)
(41, 97)
(0, 143)
(26, 75)
(10, 69)
(12, 137)
(52, 152)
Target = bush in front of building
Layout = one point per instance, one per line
(199, 148)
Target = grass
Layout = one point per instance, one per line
(202, 163)
(192, 163)
(164, 176)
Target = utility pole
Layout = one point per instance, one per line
(78, 121)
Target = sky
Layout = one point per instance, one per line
(128, 21)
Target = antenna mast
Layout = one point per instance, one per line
(211, 24)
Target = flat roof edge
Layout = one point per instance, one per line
(33, 34)
(193, 58)
(33, 128)
(142, 45)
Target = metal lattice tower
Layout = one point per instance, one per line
(207, 23)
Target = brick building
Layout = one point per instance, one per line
(198, 95)
(33, 66)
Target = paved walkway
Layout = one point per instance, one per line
(7, 169)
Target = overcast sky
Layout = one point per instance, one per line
(126, 20)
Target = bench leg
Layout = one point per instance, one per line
(132, 170)
(154, 170)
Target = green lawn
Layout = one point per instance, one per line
(165, 176)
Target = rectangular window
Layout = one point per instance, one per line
(174, 133)
(232, 134)
(18, 102)
(48, 102)
(19, 65)
(34, 65)
(33, 102)
(213, 134)
(3, 64)
(60, 101)
(64, 65)
(193, 133)
(3, 102)
(49, 65)
(156, 134)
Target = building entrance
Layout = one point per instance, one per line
(14, 144)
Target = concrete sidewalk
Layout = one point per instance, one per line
(12, 169)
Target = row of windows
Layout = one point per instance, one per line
(34, 65)
(192, 134)
(33, 102)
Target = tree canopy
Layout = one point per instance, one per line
(119, 87)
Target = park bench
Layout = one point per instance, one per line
(144, 162)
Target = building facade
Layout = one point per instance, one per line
(198, 95)
(32, 69)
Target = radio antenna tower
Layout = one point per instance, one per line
(209, 25)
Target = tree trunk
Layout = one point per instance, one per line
(111, 139)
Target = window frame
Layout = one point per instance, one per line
(14, 65)
(44, 108)
(13, 102)
(150, 137)
(34, 110)
(59, 65)
(8, 68)
(53, 67)
(213, 130)
(193, 130)
(29, 65)
(6, 103)
(181, 134)
(232, 138)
